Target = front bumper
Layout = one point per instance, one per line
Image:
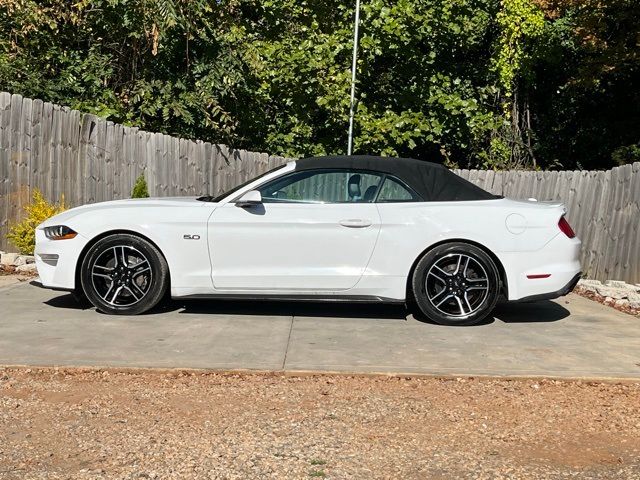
(59, 274)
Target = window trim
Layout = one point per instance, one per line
(383, 177)
(402, 184)
(331, 170)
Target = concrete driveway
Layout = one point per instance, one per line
(570, 337)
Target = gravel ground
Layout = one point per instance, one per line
(8, 276)
(73, 423)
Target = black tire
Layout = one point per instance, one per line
(456, 284)
(123, 274)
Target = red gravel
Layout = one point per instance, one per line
(109, 424)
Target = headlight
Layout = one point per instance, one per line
(59, 232)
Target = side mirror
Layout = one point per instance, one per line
(249, 199)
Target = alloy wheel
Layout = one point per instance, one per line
(457, 285)
(121, 275)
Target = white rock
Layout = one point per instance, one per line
(8, 258)
(588, 282)
(634, 304)
(24, 259)
(27, 268)
(616, 293)
(615, 283)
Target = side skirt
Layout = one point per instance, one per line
(297, 298)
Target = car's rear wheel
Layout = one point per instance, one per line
(456, 284)
(123, 274)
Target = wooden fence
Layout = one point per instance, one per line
(87, 159)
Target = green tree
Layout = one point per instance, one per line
(473, 83)
(140, 189)
(587, 81)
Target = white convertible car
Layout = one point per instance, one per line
(332, 228)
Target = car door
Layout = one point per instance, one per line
(314, 231)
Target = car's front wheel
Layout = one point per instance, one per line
(456, 284)
(123, 274)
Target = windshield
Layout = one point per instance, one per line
(209, 198)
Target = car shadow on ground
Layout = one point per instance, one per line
(291, 308)
(530, 312)
(68, 301)
(534, 312)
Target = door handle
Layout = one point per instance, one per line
(355, 223)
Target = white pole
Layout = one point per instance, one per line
(353, 78)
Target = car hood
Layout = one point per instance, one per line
(133, 203)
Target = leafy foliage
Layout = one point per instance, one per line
(493, 83)
(140, 189)
(23, 234)
(587, 80)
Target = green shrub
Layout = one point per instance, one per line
(140, 189)
(624, 155)
(23, 234)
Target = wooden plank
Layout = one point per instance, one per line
(174, 167)
(13, 211)
(24, 161)
(165, 165)
(91, 172)
(182, 166)
(5, 154)
(36, 145)
(626, 214)
(149, 153)
(208, 168)
(44, 171)
(224, 167)
(118, 162)
(216, 170)
(155, 156)
(63, 153)
(130, 168)
(608, 248)
(473, 177)
(264, 163)
(58, 151)
(73, 196)
(139, 160)
(110, 162)
(66, 173)
(191, 168)
(633, 258)
(236, 167)
(588, 226)
(101, 147)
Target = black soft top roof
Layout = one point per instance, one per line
(433, 182)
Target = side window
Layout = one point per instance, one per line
(322, 186)
(394, 191)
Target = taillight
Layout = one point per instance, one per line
(566, 228)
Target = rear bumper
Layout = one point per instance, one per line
(568, 288)
(542, 273)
